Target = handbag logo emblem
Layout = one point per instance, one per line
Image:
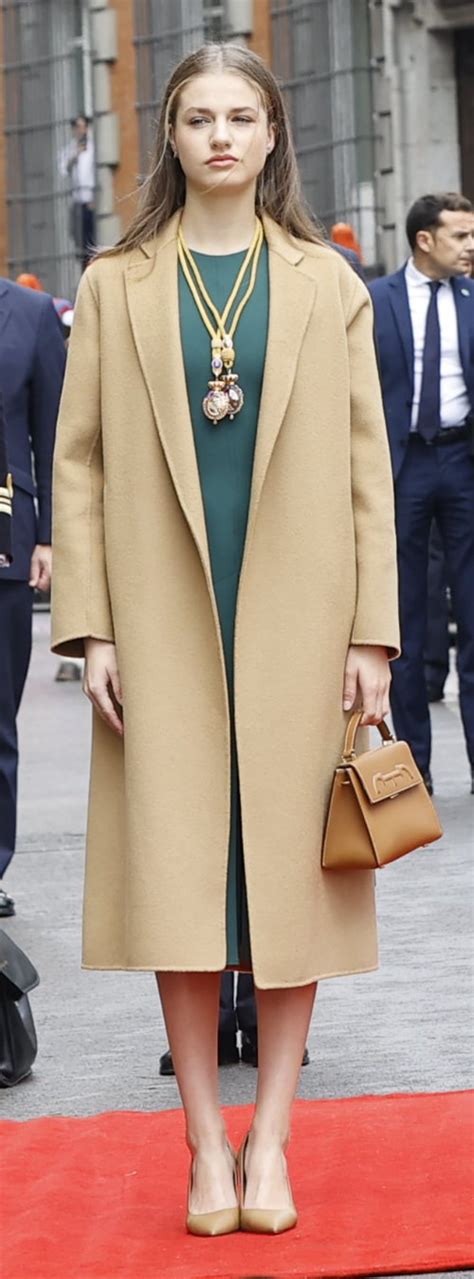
(390, 784)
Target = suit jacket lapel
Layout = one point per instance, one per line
(462, 302)
(401, 310)
(292, 296)
(152, 295)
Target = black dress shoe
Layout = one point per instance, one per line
(7, 905)
(249, 1051)
(428, 780)
(68, 672)
(166, 1063)
(434, 694)
(228, 1055)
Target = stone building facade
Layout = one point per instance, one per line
(380, 94)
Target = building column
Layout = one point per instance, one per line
(416, 114)
(123, 75)
(104, 51)
(260, 36)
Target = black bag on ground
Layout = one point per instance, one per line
(18, 1044)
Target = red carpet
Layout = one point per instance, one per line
(383, 1185)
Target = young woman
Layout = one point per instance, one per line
(224, 557)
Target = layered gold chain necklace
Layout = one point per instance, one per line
(224, 397)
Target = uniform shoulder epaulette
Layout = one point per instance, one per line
(6, 496)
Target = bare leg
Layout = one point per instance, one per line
(283, 1022)
(191, 1008)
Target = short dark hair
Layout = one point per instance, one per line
(425, 212)
(81, 115)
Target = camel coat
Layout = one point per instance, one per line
(131, 565)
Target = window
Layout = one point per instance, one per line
(46, 83)
(321, 55)
(165, 31)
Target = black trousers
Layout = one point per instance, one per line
(16, 605)
(83, 231)
(238, 1010)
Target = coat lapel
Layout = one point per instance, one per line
(401, 311)
(292, 295)
(152, 277)
(152, 295)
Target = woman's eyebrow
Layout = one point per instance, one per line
(209, 110)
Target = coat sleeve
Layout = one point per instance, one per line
(376, 615)
(45, 392)
(80, 602)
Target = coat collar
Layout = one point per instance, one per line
(152, 296)
(276, 238)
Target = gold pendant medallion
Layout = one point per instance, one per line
(215, 404)
(224, 397)
(235, 397)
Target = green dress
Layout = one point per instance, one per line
(225, 454)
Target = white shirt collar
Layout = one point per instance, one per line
(416, 277)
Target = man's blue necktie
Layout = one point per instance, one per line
(429, 419)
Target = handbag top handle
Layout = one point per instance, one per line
(351, 733)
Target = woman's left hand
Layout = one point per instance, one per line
(367, 681)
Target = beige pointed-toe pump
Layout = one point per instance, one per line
(222, 1222)
(263, 1221)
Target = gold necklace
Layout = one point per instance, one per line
(224, 397)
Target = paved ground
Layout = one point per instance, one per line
(408, 1027)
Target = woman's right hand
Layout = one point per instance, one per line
(100, 677)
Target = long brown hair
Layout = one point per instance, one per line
(278, 188)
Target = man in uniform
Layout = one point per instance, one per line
(32, 358)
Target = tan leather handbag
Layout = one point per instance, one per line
(379, 807)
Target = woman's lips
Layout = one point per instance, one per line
(220, 161)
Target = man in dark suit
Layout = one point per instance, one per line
(424, 321)
(32, 356)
